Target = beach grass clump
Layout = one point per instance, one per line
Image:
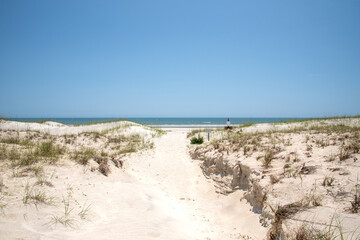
(14, 154)
(129, 148)
(134, 143)
(328, 181)
(306, 231)
(10, 140)
(197, 140)
(355, 205)
(43, 182)
(268, 157)
(159, 132)
(281, 213)
(48, 150)
(85, 211)
(315, 231)
(95, 135)
(36, 169)
(83, 156)
(16, 140)
(117, 139)
(36, 196)
(134, 138)
(27, 158)
(3, 152)
(344, 153)
(309, 232)
(3, 204)
(2, 185)
(66, 219)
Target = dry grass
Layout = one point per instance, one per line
(104, 168)
(344, 153)
(355, 205)
(43, 182)
(85, 211)
(307, 232)
(2, 202)
(83, 156)
(38, 170)
(66, 219)
(36, 196)
(328, 181)
(267, 158)
(317, 231)
(48, 149)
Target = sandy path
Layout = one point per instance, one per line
(171, 169)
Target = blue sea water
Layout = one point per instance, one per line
(159, 121)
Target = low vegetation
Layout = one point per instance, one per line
(197, 140)
(66, 219)
(28, 151)
(38, 159)
(84, 155)
(34, 195)
(268, 157)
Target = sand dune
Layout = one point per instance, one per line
(160, 193)
(126, 181)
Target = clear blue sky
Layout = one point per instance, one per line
(179, 58)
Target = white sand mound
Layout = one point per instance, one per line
(55, 128)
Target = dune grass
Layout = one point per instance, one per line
(66, 219)
(84, 155)
(316, 119)
(36, 196)
(268, 156)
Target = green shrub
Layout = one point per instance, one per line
(287, 165)
(196, 140)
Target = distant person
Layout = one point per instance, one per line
(228, 126)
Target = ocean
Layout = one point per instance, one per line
(160, 121)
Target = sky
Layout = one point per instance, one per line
(162, 58)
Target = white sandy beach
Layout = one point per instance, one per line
(122, 180)
(160, 193)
